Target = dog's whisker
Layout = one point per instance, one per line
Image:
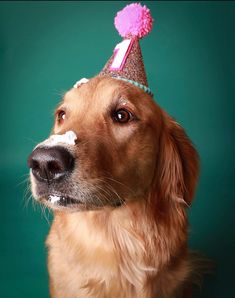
(120, 183)
(23, 182)
(103, 179)
(107, 188)
(104, 195)
(27, 195)
(44, 210)
(26, 201)
(113, 191)
(31, 140)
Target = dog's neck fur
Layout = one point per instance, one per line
(116, 245)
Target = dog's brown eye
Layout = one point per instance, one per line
(122, 116)
(61, 116)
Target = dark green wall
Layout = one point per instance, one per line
(189, 57)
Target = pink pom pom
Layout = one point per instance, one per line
(133, 20)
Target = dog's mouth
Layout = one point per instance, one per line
(56, 200)
(62, 202)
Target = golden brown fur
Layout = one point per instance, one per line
(140, 248)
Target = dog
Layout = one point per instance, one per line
(119, 180)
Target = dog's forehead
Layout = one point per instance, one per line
(96, 90)
(102, 91)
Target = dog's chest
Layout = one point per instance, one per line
(78, 254)
(83, 258)
(81, 245)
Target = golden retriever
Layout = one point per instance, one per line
(119, 195)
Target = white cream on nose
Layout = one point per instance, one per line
(67, 138)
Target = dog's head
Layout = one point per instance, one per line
(111, 144)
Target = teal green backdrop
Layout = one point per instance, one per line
(189, 58)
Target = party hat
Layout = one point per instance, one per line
(133, 22)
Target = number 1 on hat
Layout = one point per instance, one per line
(120, 54)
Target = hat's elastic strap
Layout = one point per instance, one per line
(143, 87)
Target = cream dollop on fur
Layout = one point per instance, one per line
(80, 82)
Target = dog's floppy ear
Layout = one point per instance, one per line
(177, 163)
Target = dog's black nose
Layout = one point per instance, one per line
(50, 163)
